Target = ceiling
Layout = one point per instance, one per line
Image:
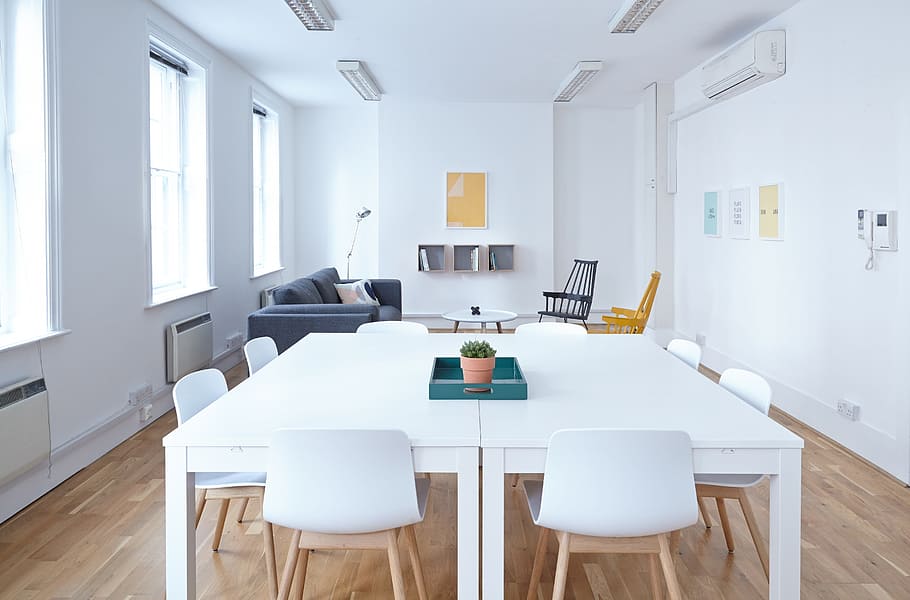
(469, 50)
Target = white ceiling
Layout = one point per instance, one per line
(469, 50)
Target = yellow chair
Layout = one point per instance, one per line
(626, 320)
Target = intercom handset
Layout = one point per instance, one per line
(878, 230)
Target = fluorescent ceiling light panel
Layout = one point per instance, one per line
(360, 79)
(632, 14)
(580, 76)
(314, 14)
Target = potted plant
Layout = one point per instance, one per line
(477, 361)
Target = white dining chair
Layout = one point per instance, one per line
(361, 497)
(550, 328)
(191, 394)
(754, 390)
(644, 490)
(686, 351)
(259, 352)
(398, 327)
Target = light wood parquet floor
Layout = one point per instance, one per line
(100, 535)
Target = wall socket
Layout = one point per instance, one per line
(141, 394)
(145, 412)
(234, 341)
(848, 410)
(701, 339)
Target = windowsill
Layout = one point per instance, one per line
(9, 341)
(179, 295)
(266, 272)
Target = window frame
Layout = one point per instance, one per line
(269, 126)
(200, 67)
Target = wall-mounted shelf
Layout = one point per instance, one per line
(431, 258)
(501, 257)
(466, 258)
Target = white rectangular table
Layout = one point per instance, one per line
(328, 381)
(627, 381)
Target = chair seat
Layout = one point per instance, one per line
(225, 480)
(724, 480)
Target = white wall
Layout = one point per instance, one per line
(836, 132)
(116, 343)
(594, 211)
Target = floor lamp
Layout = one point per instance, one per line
(359, 216)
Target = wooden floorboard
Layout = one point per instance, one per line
(100, 535)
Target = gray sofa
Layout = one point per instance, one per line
(311, 304)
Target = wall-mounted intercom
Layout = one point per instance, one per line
(879, 230)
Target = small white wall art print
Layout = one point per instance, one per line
(771, 212)
(712, 214)
(739, 213)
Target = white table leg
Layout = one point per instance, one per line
(493, 524)
(468, 522)
(180, 533)
(785, 526)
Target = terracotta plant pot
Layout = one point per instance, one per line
(478, 370)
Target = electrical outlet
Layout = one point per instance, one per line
(141, 394)
(701, 339)
(848, 410)
(145, 412)
(234, 341)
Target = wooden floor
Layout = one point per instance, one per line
(101, 535)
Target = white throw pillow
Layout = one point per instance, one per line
(359, 292)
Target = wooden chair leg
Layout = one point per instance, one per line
(219, 528)
(395, 564)
(666, 561)
(268, 540)
(515, 477)
(200, 505)
(410, 538)
(303, 559)
(704, 513)
(287, 576)
(657, 590)
(243, 504)
(753, 529)
(539, 555)
(562, 566)
(675, 537)
(725, 524)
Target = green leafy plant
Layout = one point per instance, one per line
(477, 349)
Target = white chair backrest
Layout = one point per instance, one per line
(400, 327)
(686, 351)
(750, 387)
(548, 328)
(340, 481)
(196, 391)
(259, 352)
(642, 482)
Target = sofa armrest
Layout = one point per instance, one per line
(388, 291)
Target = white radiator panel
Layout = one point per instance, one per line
(24, 436)
(189, 346)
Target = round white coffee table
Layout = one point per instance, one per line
(485, 316)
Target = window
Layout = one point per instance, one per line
(26, 211)
(177, 192)
(266, 194)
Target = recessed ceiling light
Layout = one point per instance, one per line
(360, 79)
(632, 14)
(580, 76)
(314, 14)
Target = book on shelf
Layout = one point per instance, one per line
(424, 260)
(475, 266)
(492, 260)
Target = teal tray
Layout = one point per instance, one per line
(447, 381)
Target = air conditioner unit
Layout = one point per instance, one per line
(189, 346)
(24, 436)
(759, 59)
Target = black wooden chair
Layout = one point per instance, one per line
(574, 301)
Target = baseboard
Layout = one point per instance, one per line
(228, 359)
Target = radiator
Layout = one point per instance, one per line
(25, 441)
(265, 296)
(189, 346)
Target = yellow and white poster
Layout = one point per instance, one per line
(770, 212)
(466, 200)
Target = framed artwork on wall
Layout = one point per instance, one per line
(466, 200)
(712, 214)
(771, 212)
(740, 217)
